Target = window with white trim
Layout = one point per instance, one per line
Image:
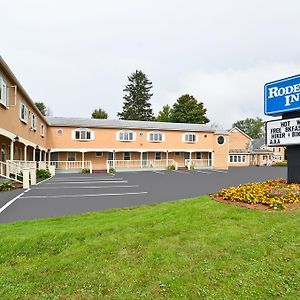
(42, 129)
(155, 136)
(127, 156)
(158, 156)
(24, 113)
(3, 92)
(190, 137)
(71, 156)
(125, 136)
(83, 134)
(198, 155)
(237, 158)
(33, 121)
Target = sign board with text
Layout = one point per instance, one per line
(283, 132)
(282, 96)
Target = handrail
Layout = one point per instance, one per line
(12, 171)
(198, 163)
(72, 165)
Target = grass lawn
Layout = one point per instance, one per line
(192, 249)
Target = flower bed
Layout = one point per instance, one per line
(276, 194)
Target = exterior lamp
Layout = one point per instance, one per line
(16, 139)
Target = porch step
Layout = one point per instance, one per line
(182, 168)
(99, 171)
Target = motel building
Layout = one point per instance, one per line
(30, 140)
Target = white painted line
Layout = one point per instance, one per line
(204, 172)
(44, 180)
(84, 182)
(84, 195)
(12, 201)
(158, 172)
(181, 172)
(87, 187)
(90, 178)
(219, 171)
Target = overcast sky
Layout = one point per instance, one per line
(76, 55)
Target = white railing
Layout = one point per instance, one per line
(198, 163)
(140, 164)
(72, 165)
(21, 164)
(12, 171)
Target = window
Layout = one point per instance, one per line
(279, 149)
(127, 156)
(83, 134)
(110, 155)
(24, 113)
(155, 136)
(71, 156)
(33, 121)
(237, 158)
(59, 132)
(99, 154)
(221, 140)
(125, 136)
(42, 129)
(158, 155)
(198, 155)
(190, 137)
(3, 92)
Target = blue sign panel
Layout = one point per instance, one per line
(282, 96)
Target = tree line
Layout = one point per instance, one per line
(186, 109)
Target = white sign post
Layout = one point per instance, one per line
(283, 132)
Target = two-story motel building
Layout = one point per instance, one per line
(79, 143)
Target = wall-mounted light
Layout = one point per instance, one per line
(37, 147)
(16, 139)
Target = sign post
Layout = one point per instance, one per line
(282, 97)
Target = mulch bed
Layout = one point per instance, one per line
(289, 207)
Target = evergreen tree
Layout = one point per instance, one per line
(42, 107)
(99, 114)
(165, 114)
(136, 104)
(188, 110)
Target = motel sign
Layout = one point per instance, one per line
(282, 96)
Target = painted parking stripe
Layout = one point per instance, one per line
(220, 171)
(83, 195)
(87, 187)
(12, 201)
(85, 182)
(158, 172)
(181, 172)
(58, 178)
(204, 172)
(90, 178)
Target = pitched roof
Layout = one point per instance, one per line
(241, 131)
(128, 124)
(257, 143)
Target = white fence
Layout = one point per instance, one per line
(140, 164)
(72, 165)
(198, 163)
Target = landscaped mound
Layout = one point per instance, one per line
(276, 194)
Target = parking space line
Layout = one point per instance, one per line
(204, 172)
(86, 187)
(220, 171)
(83, 195)
(84, 182)
(90, 178)
(181, 172)
(12, 201)
(158, 172)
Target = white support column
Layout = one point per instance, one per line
(141, 159)
(49, 157)
(190, 161)
(33, 154)
(25, 153)
(11, 150)
(114, 158)
(82, 160)
(45, 156)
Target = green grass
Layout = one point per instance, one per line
(192, 249)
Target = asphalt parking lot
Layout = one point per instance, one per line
(77, 193)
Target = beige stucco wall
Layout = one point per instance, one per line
(237, 140)
(10, 117)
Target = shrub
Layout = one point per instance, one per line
(6, 186)
(171, 168)
(192, 167)
(112, 170)
(43, 174)
(85, 171)
(281, 164)
(19, 176)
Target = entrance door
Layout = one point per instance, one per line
(186, 156)
(144, 159)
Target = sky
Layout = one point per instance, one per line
(75, 56)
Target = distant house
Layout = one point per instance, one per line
(244, 151)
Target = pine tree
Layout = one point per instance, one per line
(165, 114)
(136, 104)
(99, 114)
